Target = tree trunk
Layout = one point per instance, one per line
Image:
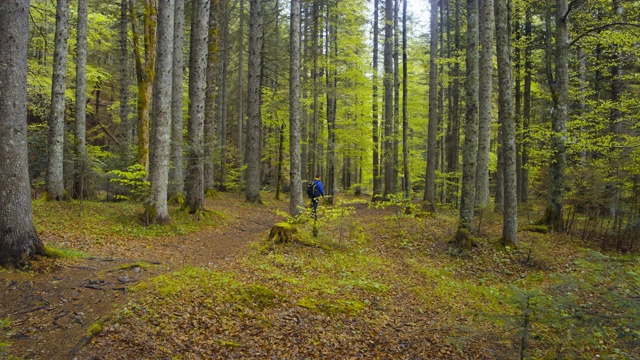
(19, 240)
(176, 173)
(526, 112)
(430, 185)
(240, 93)
(470, 149)
(453, 133)
(212, 93)
(559, 116)
(332, 83)
(316, 91)
(54, 175)
(505, 113)
(387, 81)
(197, 89)
(222, 95)
(487, 22)
(162, 91)
(145, 73)
(405, 117)
(377, 183)
(296, 201)
(254, 121)
(396, 97)
(81, 163)
(125, 123)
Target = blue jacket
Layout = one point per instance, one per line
(319, 188)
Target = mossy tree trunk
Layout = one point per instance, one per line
(145, 72)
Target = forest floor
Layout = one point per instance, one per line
(375, 283)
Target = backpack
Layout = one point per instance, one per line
(311, 189)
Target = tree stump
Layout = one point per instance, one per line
(283, 232)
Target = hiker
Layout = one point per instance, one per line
(315, 190)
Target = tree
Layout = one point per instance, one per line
(560, 95)
(54, 180)
(144, 72)
(295, 167)
(405, 117)
(470, 149)
(505, 113)
(161, 131)
(387, 155)
(19, 240)
(123, 71)
(212, 94)
(197, 88)
(485, 104)
(377, 180)
(430, 183)
(254, 122)
(176, 173)
(240, 94)
(81, 164)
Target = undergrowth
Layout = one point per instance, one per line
(98, 220)
(384, 285)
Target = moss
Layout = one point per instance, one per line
(259, 295)
(283, 232)
(138, 287)
(56, 253)
(95, 329)
(463, 241)
(542, 229)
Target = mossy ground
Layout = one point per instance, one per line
(377, 282)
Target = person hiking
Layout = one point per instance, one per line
(315, 190)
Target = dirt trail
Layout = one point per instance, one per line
(52, 307)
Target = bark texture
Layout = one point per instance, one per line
(470, 148)
(296, 201)
(19, 240)
(387, 154)
(54, 175)
(161, 131)
(487, 23)
(197, 88)
(176, 172)
(505, 113)
(430, 185)
(81, 166)
(254, 120)
(560, 94)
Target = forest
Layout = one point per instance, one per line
(481, 172)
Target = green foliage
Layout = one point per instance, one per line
(133, 180)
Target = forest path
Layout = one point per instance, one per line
(52, 307)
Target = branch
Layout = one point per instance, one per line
(606, 26)
(573, 2)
